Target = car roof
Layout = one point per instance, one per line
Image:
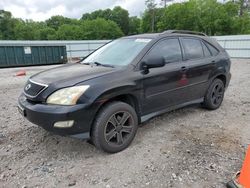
(183, 33)
(168, 33)
(147, 35)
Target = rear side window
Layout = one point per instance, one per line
(212, 49)
(193, 48)
(169, 49)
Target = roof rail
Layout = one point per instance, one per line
(184, 32)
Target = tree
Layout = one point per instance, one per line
(7, 24)
(164, 2)
(69, 32)
(134, 25)
(100, 29)
(121, 17)
(146, 22)
(56, 21)
(28, 30)
(47, 33)
(208, 16)
(151, 5)
(118, 15)
(106, 14)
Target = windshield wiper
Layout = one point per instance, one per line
(98, 64)
(85, 63)
(104, 65)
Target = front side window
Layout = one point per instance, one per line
(120, 52)
(193, 48)
(169, 49)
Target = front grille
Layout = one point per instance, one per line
(33, 89)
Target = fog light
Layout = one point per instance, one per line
(64, 124)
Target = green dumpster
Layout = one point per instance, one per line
(17, 55)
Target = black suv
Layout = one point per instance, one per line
(105, 96)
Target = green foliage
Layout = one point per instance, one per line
(46, 33)
(119, 15)
(106, 14)
(150, 16)
(149, 23)
(89, 30)
(28, 30)
(69, 32)
(150, 4)
(101, 29)
(7, 24)
(56, 21)
(134, 25)
(208, 16)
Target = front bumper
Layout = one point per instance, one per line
(46, 115)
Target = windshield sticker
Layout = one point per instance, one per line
(143, 40)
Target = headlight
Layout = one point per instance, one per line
(67, 96)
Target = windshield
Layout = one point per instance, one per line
(120, 52)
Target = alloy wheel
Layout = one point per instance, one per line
(217, 94)
(119, 127)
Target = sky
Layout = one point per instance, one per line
(40, 10)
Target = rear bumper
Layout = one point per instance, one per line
(46, 115)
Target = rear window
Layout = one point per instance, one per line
(193, 48)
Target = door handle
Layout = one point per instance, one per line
(184, 69)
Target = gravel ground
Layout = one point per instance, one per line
(190, 147)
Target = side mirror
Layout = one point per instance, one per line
(153, 63)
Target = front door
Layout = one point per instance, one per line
(161, 85)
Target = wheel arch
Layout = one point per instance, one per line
(128, 98)
(125, 97)
(219, 74)
(222, 77)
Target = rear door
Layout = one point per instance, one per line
(199, 63)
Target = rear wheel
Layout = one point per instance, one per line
(115, 127)
(214, 95)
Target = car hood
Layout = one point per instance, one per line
(70, 74)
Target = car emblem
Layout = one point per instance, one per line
(27, 87)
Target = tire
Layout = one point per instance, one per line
(115, 127)
(214, 95)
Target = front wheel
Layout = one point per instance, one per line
(214, 95)
(115, 127)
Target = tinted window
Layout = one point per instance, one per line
(206, 51)
(212, 49)
(169, 49)
(119, 52)
(193, 48)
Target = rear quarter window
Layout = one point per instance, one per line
(192, 48)
(207, 52)
(212, 49)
